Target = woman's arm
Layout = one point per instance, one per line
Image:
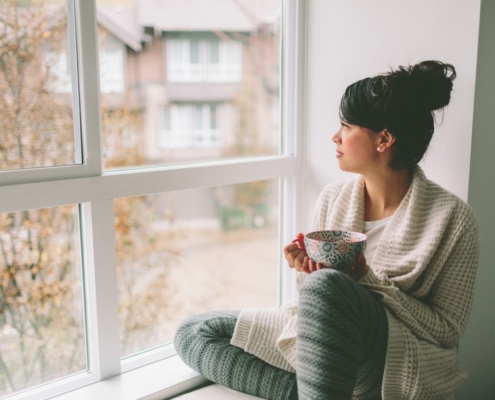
(442, 317)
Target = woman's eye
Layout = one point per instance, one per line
(344, 125)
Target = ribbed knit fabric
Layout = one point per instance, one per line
(203, 342)
(423, 270)
(341, 339)
(341, 346)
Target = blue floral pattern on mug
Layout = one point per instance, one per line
(335, 249)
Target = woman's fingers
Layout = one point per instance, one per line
(298, 259)
(295, 254)
(299, 262)
(289, 248)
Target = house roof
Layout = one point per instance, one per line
(207, 15)
(122, 22)
(127, 23)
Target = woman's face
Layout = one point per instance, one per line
(356, 148)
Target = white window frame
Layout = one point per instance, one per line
(86, 105)
(95, 189)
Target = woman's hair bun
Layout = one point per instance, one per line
(428, 83)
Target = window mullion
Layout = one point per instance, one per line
(86, 32)
(102, 316)
(293, 59)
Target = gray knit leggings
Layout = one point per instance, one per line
(341, 346)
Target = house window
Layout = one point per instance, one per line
(203, 60)
(112, 70)
(190, 126)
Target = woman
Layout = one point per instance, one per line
(390, 327)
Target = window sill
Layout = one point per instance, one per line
(157, 381)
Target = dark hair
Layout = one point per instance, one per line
(403, 102)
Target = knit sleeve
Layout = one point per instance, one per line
(441, 317)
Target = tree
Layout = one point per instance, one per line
(36, 127)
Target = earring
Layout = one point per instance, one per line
(379, 148)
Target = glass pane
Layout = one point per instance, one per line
(112, 70)
(174, 55)
(213, 116)
(184, 252)
(36, 126)
(42, 335)
(194, 49)
(215, 57)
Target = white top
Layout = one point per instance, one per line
(374, 230)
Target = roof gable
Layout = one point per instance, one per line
(122, 23)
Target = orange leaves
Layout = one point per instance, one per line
(36, 127)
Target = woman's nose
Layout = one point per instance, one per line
(335, 137)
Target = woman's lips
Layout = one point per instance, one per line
(338, 154)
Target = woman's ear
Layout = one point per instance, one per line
(386, 139)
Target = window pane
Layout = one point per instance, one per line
(41, 306)
(189, 251)
(215, 58)
(194, 49)
(173, 54)
(36, 126)
(112, 70)
(213, 116)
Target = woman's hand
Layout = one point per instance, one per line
(359, 270)
(295, 254)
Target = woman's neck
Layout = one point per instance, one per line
(384, 192)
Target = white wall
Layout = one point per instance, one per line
(352, 39)
(349, 40)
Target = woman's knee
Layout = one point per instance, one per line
(325, 282)
(210, 324)
(184, 333)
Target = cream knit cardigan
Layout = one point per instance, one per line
(423, 271)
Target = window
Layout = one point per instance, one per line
(37, 127)
(41, 305)
(93, 255)
(112, 71)
(190, 126)
(207, 235)
(189, 96)
(193, 59)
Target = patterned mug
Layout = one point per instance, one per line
(335, 249)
